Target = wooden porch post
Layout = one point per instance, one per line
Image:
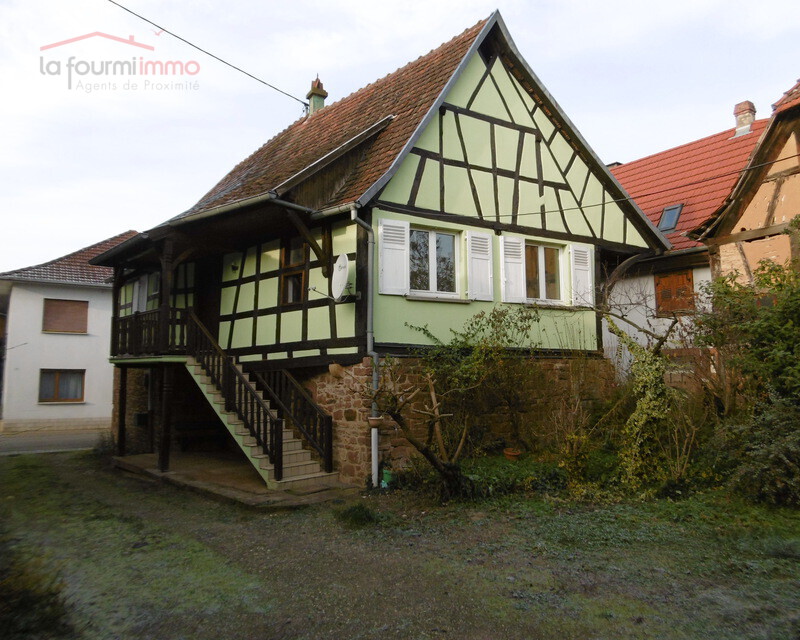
(165, 294)
(122, 403)
(116, 286)
(166, 419)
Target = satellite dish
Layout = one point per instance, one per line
(339, 277)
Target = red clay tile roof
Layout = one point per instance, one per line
(73, 268)
(699, 175)
(790, 99)
(407, 94)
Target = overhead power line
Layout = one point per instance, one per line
(658, 192)
(208, 53)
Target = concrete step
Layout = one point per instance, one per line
(291, 469)
(311, 480)
(297, 454)
(291, 457)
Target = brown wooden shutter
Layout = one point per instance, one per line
(674, 292)
(66, 316)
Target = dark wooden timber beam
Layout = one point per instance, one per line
(751, 234)
(122, 397)
(323, 257)
(166, 419)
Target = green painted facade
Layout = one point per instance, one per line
(493, 153)
(257, 323)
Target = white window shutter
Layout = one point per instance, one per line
(394, 250)
(582, 276)
(479, 266)
(513, 269)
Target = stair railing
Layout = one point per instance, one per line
(295, 405)
(241, 397)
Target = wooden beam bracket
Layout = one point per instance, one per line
(324, 256)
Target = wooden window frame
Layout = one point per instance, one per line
(668, 286)
(58, 373)
(291, 270)
(53, 319)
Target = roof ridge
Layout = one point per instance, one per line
(386, 77)
(120, 237)
(697, 142)
(238, 174)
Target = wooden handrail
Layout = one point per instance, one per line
(296, 406)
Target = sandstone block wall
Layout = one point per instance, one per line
(341, 392)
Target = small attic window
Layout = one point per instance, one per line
(669, 217)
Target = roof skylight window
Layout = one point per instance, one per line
(669, 217)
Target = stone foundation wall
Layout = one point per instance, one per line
(63, 424)
(138, 438)
(340, 391)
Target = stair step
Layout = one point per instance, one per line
(320, 479)
(291, 469)
(250, 441)
(291, 457)
(254, 450)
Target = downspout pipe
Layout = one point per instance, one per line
(371, 336)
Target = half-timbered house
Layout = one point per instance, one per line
(452, 185)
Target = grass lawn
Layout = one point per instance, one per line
(144, 560)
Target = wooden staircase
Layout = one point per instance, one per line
(264, 422)
(300, 470)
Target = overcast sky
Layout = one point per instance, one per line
(78, 166)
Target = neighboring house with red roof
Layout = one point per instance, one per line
(55, 372)
(679, 189)
(449, 186)
(752, 223)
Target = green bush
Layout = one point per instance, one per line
(769, 449)
(755, 328)
(494, 476)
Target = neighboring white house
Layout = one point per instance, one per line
(54, 369)
(679, 190)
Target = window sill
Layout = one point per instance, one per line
(419, 298)
(560, 306)
(48, 402)
(545, 304)
(66, 333)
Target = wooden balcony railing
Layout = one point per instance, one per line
(148, 333)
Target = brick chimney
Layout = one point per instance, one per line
(745, 113)
(316, 97)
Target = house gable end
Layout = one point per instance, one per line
(498, 152)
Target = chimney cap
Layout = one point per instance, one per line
(745, 113)
(317, 89)
(744, 107)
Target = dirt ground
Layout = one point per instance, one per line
(140, 559)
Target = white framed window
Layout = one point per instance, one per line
(543, 267)
(427, 262)
(432, 262)
(538, 272)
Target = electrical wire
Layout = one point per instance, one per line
(208, 53)
(523, 214)
(649, 194)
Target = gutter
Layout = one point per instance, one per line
(374, 431)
